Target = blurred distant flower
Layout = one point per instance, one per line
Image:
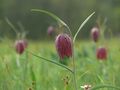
(95, 33)
(101, 53)
(20, 46)
(64, 46)
(51, 30)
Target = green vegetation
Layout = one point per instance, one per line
(73, 61)
(32, 72)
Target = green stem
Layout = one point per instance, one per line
(74, 71)
(52, 61)
(69, 30)
(18, 60)
(105, 86)
(74, 80)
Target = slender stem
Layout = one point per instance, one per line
(18, 60)
(74, 71)
(25, 67)
(69, 30)
(74, 79)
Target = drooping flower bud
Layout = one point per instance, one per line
(50, 30)
(64, 46)
(101, 53)
(20, 46)
(95, 33)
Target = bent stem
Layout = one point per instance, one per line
(60, 21)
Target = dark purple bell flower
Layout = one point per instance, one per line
(101, 53)
(64, 46)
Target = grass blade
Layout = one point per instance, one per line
(100, 78)
(33, 78)
(86, 20)
(105, 86)
(52, 61)
(83, 74)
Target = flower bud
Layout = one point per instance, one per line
(20, 46)
(51, 30)
(101, 53)
(64, 46)
(95, 33)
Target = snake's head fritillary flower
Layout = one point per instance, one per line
(20, 46)
(101, 53)
(64, 46)
(51, 30)
(95, 33)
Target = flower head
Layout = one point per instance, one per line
(20, 46)
(64, 46)
(101, 53)
(95, 33)
(50, 30)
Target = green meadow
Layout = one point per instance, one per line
(28, 72)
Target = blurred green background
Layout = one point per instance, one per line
(73, 12)
(27, 71)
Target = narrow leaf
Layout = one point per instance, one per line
(100, 78)
(105, 86)
(81, 26)
(60, 22)
(52, 61)
(50, 14)
(11, 25)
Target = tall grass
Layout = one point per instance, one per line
(39, 75)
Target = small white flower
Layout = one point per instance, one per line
(86, 87)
